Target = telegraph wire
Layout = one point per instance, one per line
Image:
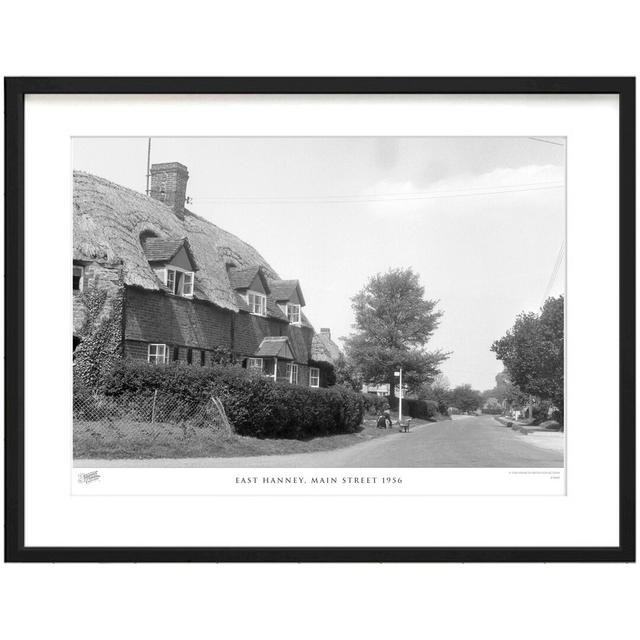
(554, 272)
(559, 144)
(389, 197)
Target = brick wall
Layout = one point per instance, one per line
(300, 339)
(138, 350)
(249, 331)
(169, 185)
(153, 316)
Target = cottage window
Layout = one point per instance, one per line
(171, 280)
(189, 355)
(202, 358)
(292, 373)
(157, 353)
(314, 377)
(179, 282)
(187, 285)
(257, 303)
(78, 276)
(256, 364)
(293, 313)
(176, 354)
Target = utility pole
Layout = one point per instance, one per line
(148, 164)
(399, 375)
(400, 401)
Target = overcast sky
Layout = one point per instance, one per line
(482, 220)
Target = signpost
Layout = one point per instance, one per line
(398, 374)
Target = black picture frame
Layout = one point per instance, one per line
(15, 91)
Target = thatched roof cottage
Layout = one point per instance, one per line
(164, 284)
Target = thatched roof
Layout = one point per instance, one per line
(108, 221)
(324, 349)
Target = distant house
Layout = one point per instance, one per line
(378, 389)
(323, 348)
(176, 287)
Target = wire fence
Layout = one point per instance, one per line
(146, 418)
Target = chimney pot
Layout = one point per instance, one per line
(169, 185)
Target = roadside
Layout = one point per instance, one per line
(139, 442)
(553, 440)
(467, 442)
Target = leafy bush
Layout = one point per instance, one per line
(422, 409)
(255, 405)
(492, 411)
(541, 413)
(374, 404)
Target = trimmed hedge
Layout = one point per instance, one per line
(255, 405)
(374, 404)
(422, 409)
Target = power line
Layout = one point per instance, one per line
(560, 144)
(389, 197)
(554, 272)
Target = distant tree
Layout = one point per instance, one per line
(346, 374)
(393, 324)
(439, 390)
(533, 352)
(505, 391)
(465, 398)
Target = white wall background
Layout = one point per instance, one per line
(329, 38)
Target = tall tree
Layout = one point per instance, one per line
(465, 398)
(393, 323)
(533, 352)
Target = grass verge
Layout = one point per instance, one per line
(110, 441)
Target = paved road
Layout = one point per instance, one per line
(465, 442)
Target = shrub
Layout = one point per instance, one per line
(422, 409)
(255, 405)
(541, 413)
(492, 411)
(374, 404)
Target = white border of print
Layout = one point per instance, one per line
(54, 517)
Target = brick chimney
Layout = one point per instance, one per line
(169, 185)
(326, 332)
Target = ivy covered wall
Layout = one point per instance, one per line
(98, 323)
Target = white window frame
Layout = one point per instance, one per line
(187, 284)
(293, 373)
(188, 279)
(81, 282)
(294, 307)
(314, 373)
(252, 364)
(261, 298)
(159, 356)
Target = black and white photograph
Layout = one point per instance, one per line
(319, 302)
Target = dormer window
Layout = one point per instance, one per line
(293, 313)
(179, 282)
(172, 262)
(78, 277)
(257, 303)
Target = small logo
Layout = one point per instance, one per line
(86, 478)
